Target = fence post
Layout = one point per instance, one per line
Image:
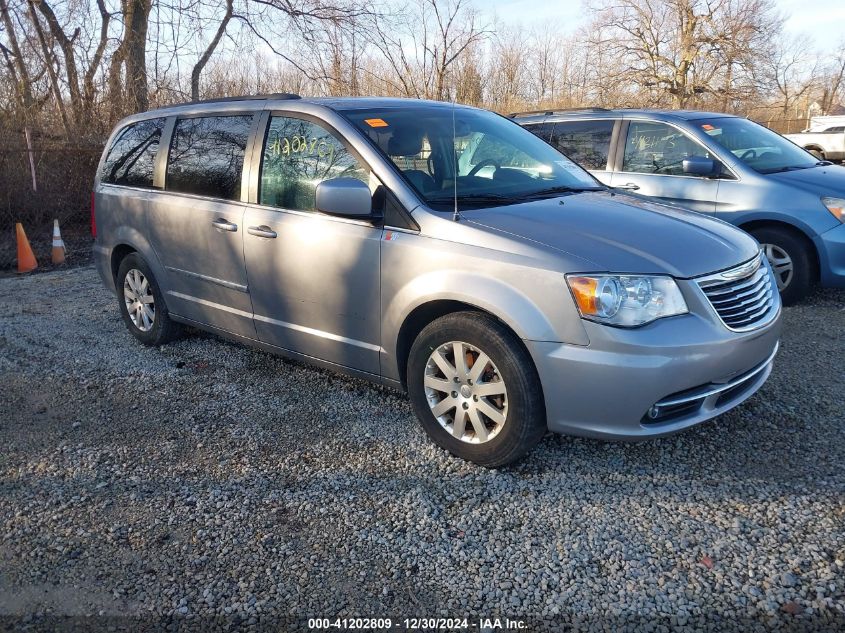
(31, 158)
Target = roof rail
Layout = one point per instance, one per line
(559, 111)
(274, 95)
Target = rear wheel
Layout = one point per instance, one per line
(142, 303)
(817, 153)
(475, 390)
(790, 262)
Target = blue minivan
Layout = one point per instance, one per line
(723, 165)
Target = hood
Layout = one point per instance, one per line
(624, 234)
(823, 181)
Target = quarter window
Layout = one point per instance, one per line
(299, 155)
(131, 159)
(207, 156)
(657, 148)
(585, 142)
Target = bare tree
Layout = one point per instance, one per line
(82, 91)
(790, 70)
(678, 48)
(47, 56)
(423, 40)
(128, 70)
(833, 90)
(209, 50)
(507, 72)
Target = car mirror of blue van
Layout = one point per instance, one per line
(347, 197)
(700, 166)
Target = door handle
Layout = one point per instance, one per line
(261, 231)
(630, 186)
(224, 225)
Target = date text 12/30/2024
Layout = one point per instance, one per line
(417, 624)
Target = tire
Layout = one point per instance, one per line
(518, 402)
(132, 274)
(817, 153)
(777, 242)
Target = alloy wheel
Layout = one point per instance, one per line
(138, 296)
(466, 392)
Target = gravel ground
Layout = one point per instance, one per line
(205, 485)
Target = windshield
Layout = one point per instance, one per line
(756, 146)
(496, 160)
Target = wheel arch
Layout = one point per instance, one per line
(126, 240)
(797, 232)
(118, 254)
(425, 313)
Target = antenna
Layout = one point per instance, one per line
(455, 215)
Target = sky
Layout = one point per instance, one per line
(820, 19)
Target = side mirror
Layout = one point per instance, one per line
(345, 196)
(700, 166)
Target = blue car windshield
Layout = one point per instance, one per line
(756, 146)
(480, 158)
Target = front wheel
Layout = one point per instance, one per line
(790, 261)
(142, 303)
(475, 389)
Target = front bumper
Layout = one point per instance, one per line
(693, 368)
(831, 248)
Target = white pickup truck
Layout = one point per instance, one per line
(825, 138)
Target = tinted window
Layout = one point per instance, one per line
(657, 148)
(207, 156)
(585, 142)
(299, 155)
(543, 130)
(131, 159)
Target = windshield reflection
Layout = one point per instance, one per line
(756, 146)
(478, 157)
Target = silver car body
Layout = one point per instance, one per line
(351, 294)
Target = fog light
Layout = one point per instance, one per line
(654, 412)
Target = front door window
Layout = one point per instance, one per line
(299, 155)
(657, 148)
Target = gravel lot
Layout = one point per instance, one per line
(207, 485)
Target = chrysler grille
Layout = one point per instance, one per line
(743, 297)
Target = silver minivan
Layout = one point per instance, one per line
(439, 249)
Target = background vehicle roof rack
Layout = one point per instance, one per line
(558, 111)
(275, 95)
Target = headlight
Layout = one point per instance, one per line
(836, 206)
(624, 300)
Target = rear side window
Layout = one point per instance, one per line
(207, 156)
(585, 142)
(299, 155)
(131, 158)
(543, 130)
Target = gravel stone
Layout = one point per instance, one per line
(207, 486)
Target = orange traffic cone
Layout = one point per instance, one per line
(26, 258)
(58, 245)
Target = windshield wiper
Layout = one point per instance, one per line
(475, 198)
(553, 191)
(789, 168)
